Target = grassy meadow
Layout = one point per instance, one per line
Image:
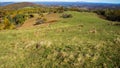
(83, 41)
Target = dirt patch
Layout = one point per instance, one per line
(51, 18)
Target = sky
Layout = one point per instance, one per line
(99, 1)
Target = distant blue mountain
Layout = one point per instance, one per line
(88, 5)
(74, 4)
(81, 4)
(6, 3)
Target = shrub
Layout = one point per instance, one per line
(7, 24)
(1, 26)
(10, 18)
(31, 16)
(60, 9)
(66, 16)
(109, 14)
(19, 19)
(41, 14)
(40, 21)
(113, 15)
(12, 26)
(38, 18)
(44, 19)
(114, 23)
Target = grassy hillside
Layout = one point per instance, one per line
(83, 41)
(20, 5)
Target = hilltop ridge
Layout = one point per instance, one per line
(21, 5)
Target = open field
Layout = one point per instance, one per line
(83, 41)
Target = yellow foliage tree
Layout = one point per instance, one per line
(7, 24)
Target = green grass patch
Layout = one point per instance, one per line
(83, 41)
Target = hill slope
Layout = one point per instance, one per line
(20, 5)
(84, 40)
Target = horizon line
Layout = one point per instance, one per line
(65, 1)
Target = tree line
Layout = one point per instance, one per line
(109, 14)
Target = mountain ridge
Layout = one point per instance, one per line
(19, 5)
(88, 5)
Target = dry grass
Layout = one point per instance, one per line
(67, 43)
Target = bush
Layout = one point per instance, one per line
(60, 9)
(40, 21)
(113, 15)
(41, 15)
(7, 24)
(109, 14)
(31, 16)
(66, 16)
(114, 23)
(19, 19)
